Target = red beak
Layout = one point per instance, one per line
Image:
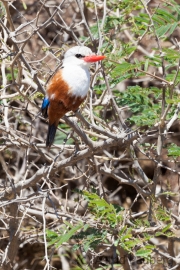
(93, 58)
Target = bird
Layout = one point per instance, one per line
(68, 87)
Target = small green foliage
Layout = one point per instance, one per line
(165, 23)
(128, 6)
(173, 150)
(144, 252)
(2, 10)
(104, 211)
(61, 137)
(65, 234)
(162, 214)
(111, 22)
(90, 238)
(37, 95)
(51, 234)
(99, 88)
(166, 228)
(8, 153)
(123, 68)
(126, 239)
(144, 111)
(9, 74)
(24, 4)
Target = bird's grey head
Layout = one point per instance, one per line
(75, 55)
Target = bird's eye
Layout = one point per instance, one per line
(79, 55)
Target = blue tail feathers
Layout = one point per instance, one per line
(44, 107)
(51, 134)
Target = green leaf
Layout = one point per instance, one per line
(144, 252)
(76, 247)
(53, 241)
(162, 214)
(146, 64)
(86, 226)
(132, 243)
(64, 238)
(165, 15)
(163, 30)
(158, 234)
(166, 228)
(51, 234)
(173, 27)
(127, 236)
(124, 67)
(173, 150)
(150, 246)
(24, 5)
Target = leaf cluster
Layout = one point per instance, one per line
(107, 222)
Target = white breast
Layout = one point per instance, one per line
(78, 79)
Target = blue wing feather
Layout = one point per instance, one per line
(44, 107)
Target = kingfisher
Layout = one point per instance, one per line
(68, 87)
